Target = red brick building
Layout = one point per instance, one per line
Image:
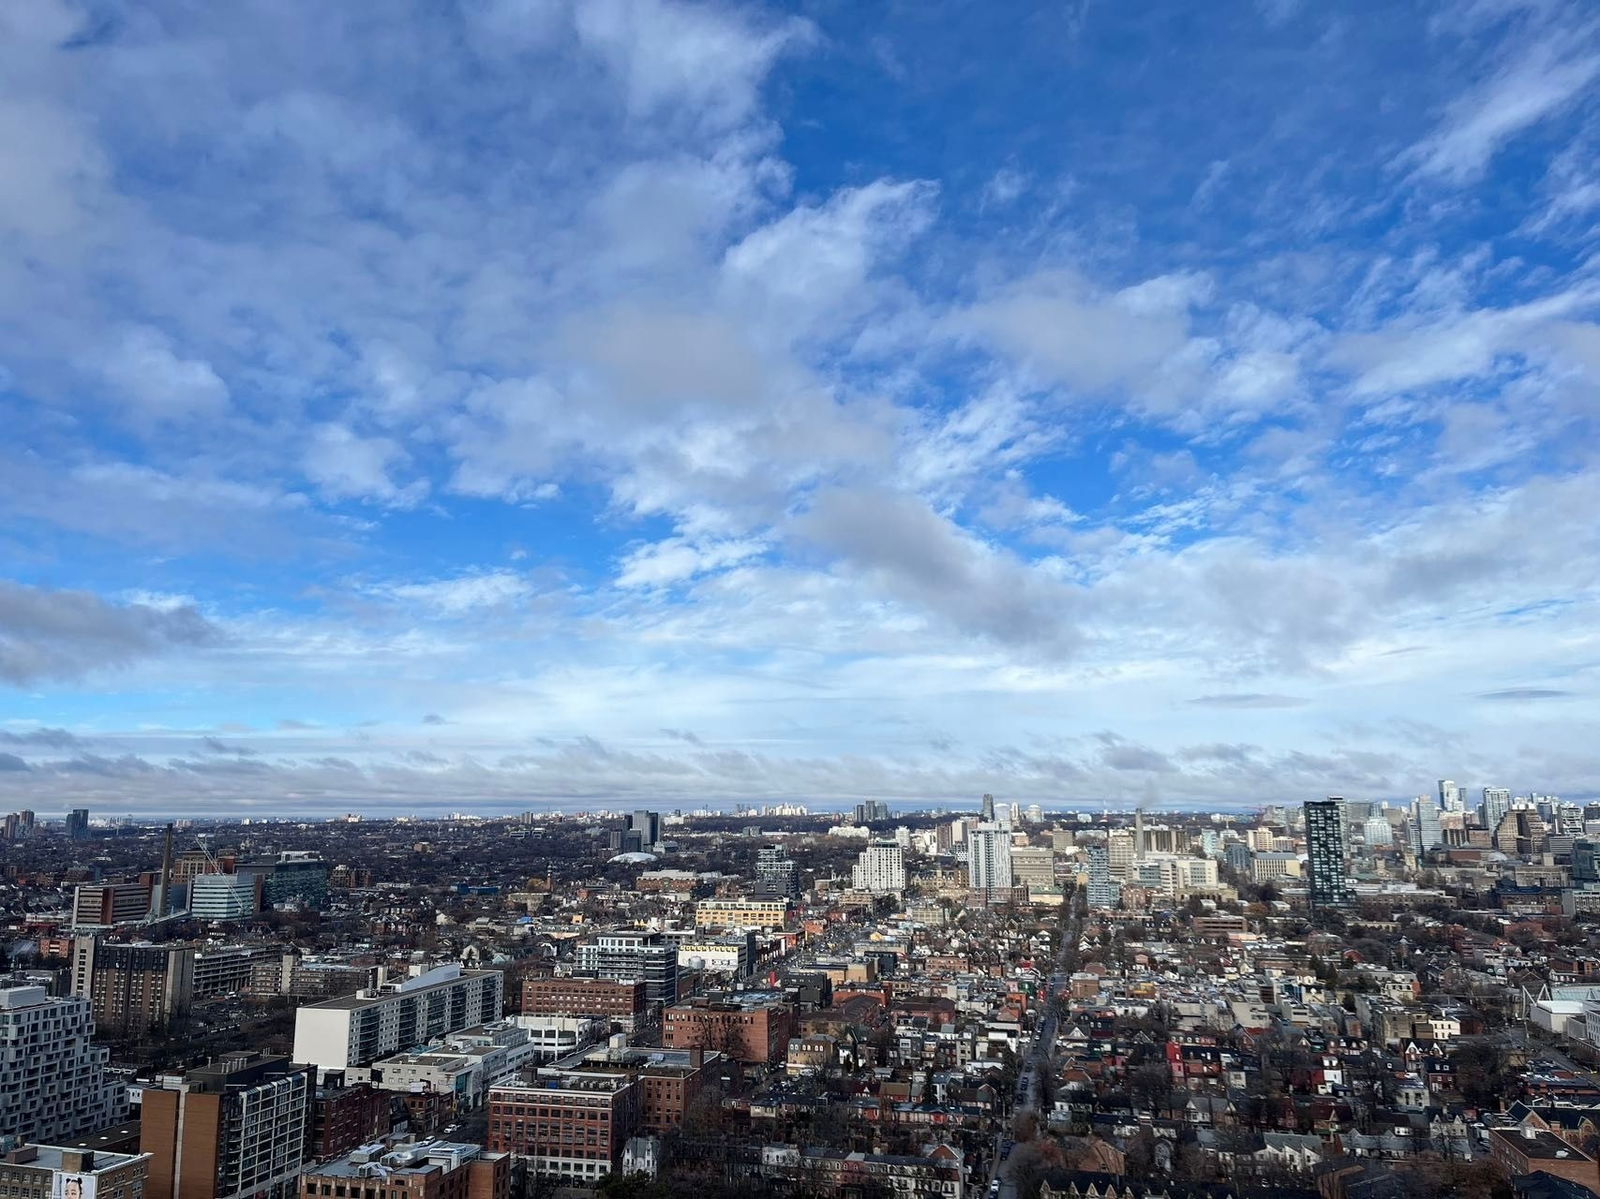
(425, 1170)
(755, 1030)
(669, 1080)
(569, 1125)
(1527, 1149)
(345, 1118)
(599, 998)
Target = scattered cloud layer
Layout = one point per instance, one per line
(683, 399)
(47, 635)
(1514, 694)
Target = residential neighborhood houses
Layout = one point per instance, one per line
(1399, 1000)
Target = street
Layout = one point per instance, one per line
(1040, 1057)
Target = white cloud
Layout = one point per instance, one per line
(665, 356)
(153, 385)
(939, 571)
(463, 595)
(1004, 187)
(567, 258)
(1066, 332)
(345, 465)
(675, 58)
(676, 560)
(1573, 187)
(811, 266)
(1410, 355)
(47, 634)
(1260, 379)
(1541, 82)
(55, 193)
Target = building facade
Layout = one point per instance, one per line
(415, 1170)
(225, 970)
(744, 1026)
(777, 876)
(823, 1171)
(1034, 867)
(347, 1116)
(236, 1129)
(567, 1126)
(356, 1030)
(467, 1063)
(1496, 803)
(297, 879)
(53, 1083)
(741, 913)
(669, 1079)
(597, 998)
(44, 1172)
(225, 896)
(730, 954)
(1328, 884)
(104, 905)
(989, 863)
(633, 955)
(1102, 891)
(880, 868)
(131, 988)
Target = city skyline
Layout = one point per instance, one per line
(496, 406)
(1050, 811)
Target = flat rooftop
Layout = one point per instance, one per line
(446, 1061)
(634, 1056)
(411, 987)
(117, 1134)
(406, 1159)
(599, 1083)
(1544, 1146)
(48, 1157)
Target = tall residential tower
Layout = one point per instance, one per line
(1325, 849)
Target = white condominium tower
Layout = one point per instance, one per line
(881, 868)
(989, 863)
(356, 1030)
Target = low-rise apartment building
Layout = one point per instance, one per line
(411, 1170)
(741, 913)
(617, 1002)
(567, 1126)
(748, 1027)
(60, 1172)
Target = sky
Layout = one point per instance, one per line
(508, 404)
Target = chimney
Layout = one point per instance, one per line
(166, 875)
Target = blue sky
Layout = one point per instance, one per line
(523, 402)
